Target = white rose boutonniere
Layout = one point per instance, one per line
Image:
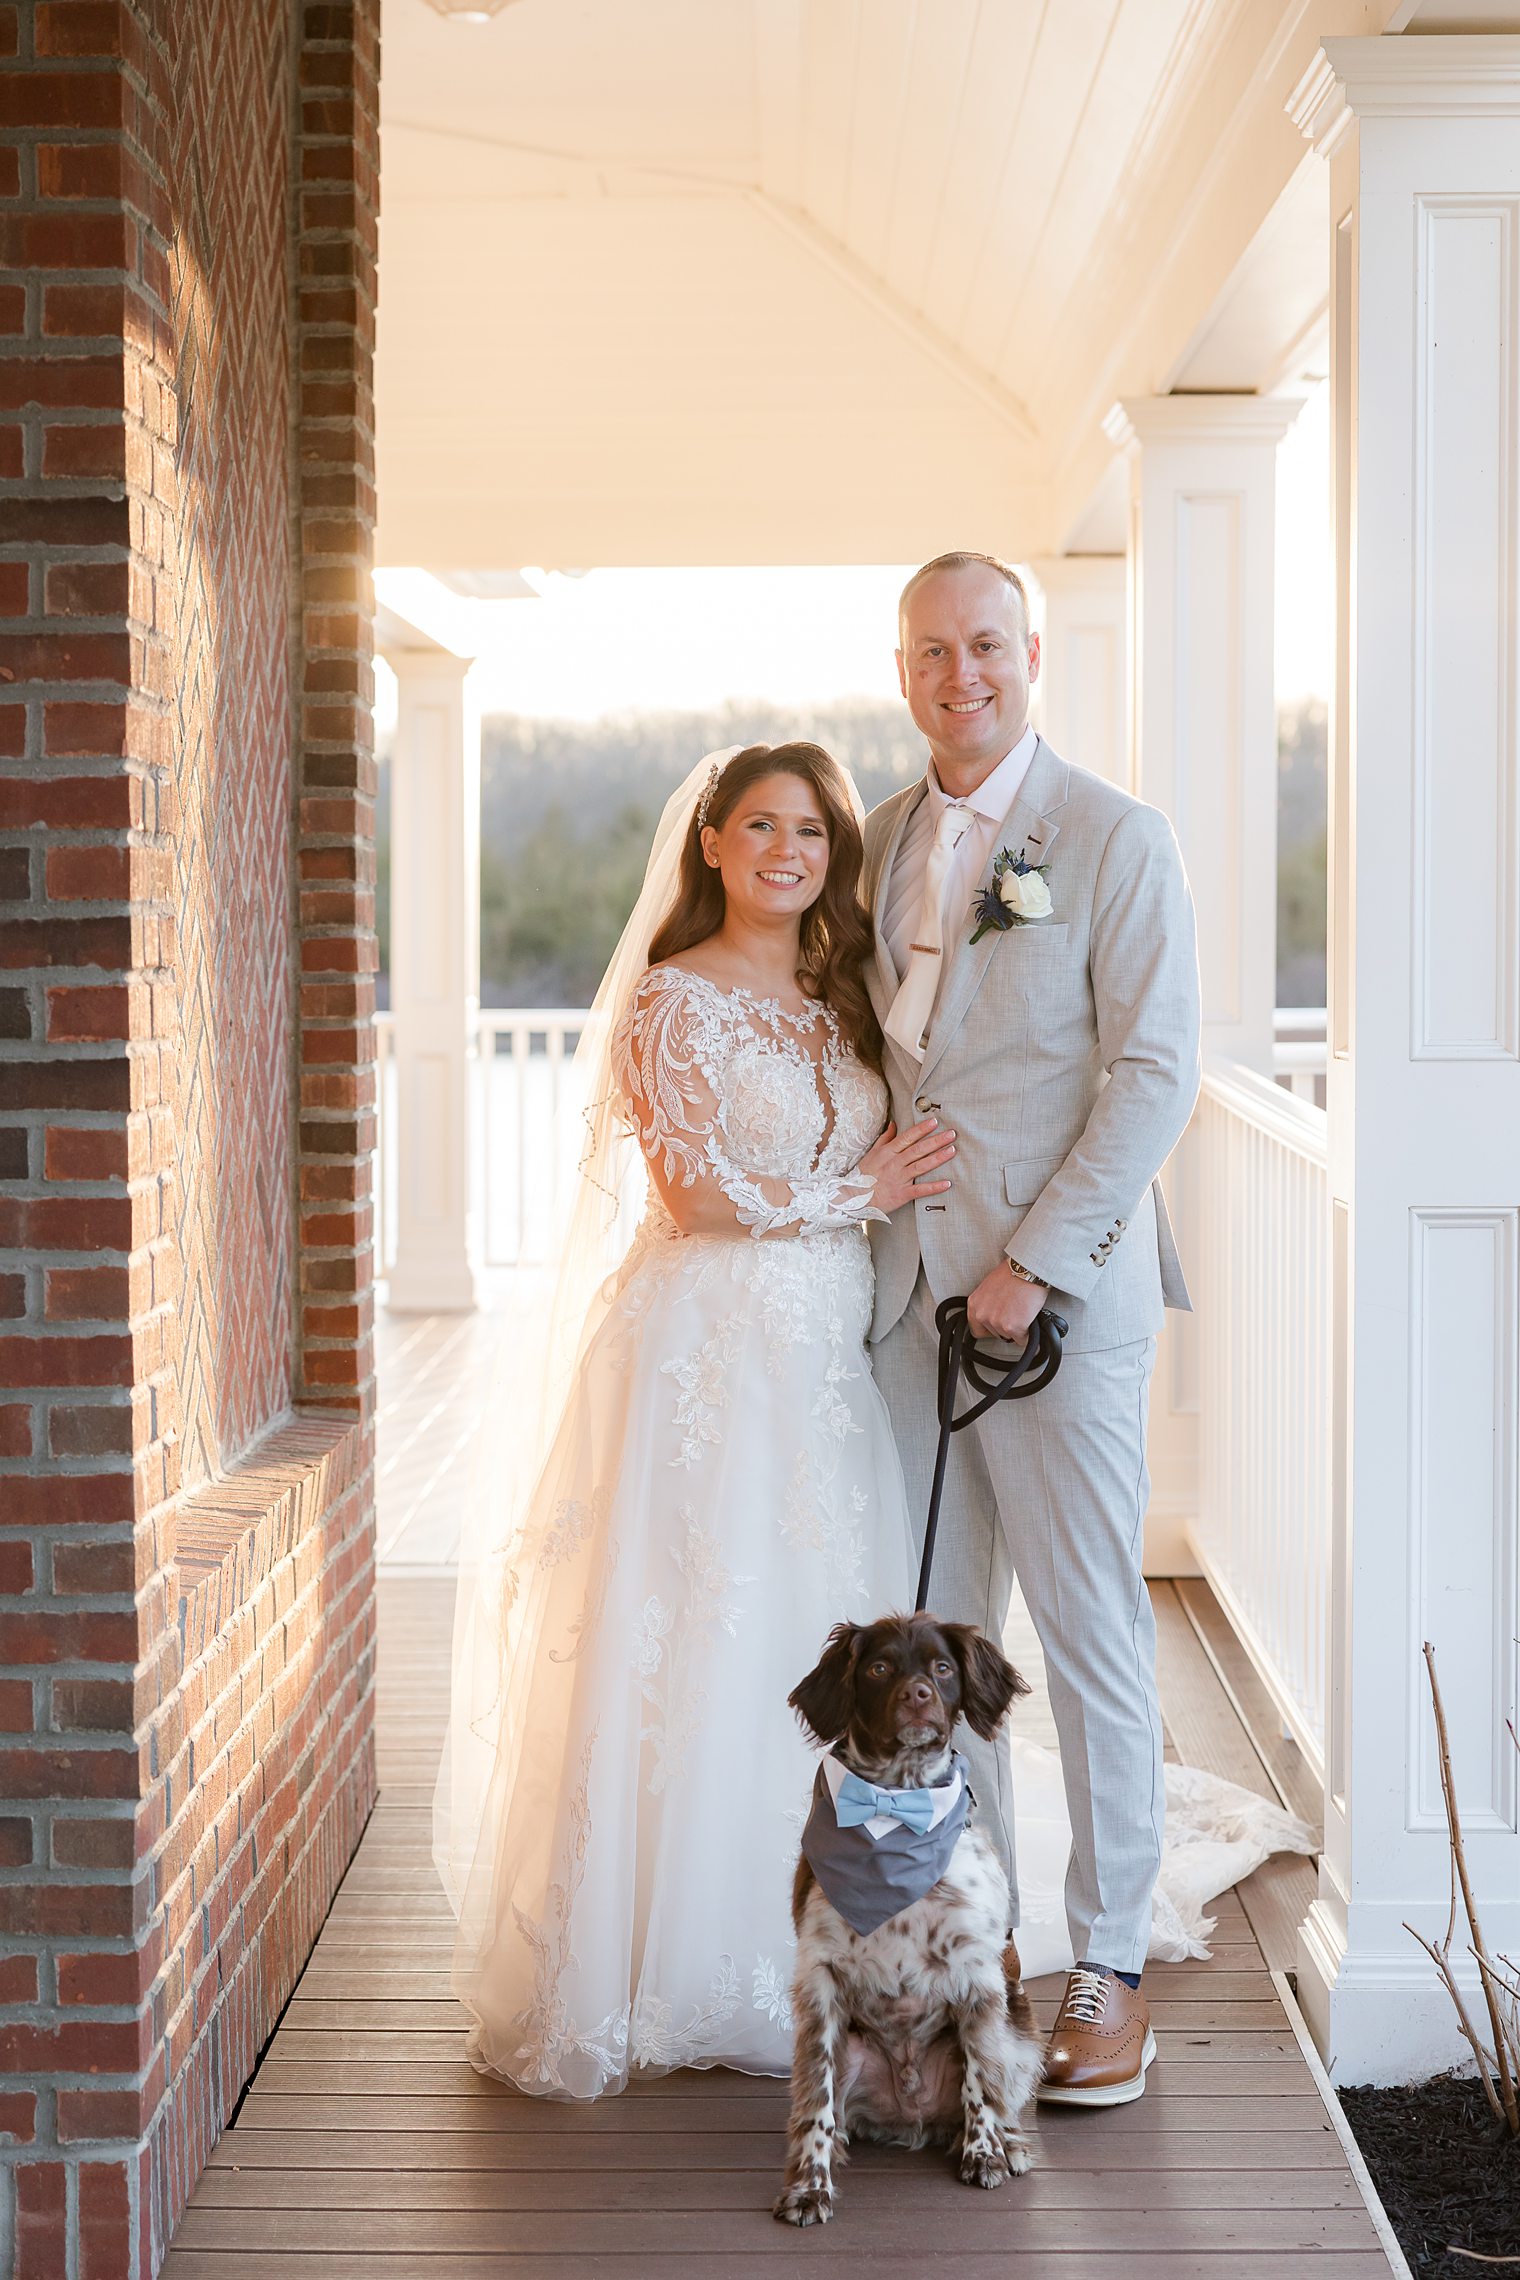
(1025, 894)
(1018, 895)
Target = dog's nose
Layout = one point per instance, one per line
(921, 1693)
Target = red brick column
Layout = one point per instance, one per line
(186, 1616)
(338, 222)
(86, 1137)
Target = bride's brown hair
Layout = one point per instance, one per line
(836, 931)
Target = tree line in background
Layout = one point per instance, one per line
(1302, 844)
(568, 809)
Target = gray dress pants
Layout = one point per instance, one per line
(1052, 1490)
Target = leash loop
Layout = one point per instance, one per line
(994, 1379)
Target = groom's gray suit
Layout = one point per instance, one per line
(1064, 1055)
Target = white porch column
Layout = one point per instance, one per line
(1423, 136)
(435, 968)
(1080, 697)
(1203, 713)
(1203, 746)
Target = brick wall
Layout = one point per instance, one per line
(225, 366)
(335, 286)
(187, 203)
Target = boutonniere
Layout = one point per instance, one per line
(1018, 895)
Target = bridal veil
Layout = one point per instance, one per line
(497, 1614)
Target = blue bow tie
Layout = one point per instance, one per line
(858, 1802)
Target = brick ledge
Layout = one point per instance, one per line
(233, 1532)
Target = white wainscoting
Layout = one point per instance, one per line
(1466, 1005)
(1462, 1497)
(1262, 1535)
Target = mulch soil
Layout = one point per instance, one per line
(1448, 2178)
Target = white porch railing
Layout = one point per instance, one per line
(516, 1173)
(1263, 1305)
(522, 1053)
(1298, 1051)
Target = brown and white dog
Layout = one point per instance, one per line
(911, 2034)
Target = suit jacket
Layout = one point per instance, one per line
(1065, 1056)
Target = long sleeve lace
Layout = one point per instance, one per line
(677, 1043)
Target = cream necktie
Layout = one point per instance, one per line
(908, 1020)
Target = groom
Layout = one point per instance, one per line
(1062, 1051)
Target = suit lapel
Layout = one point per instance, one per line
(1029, 824)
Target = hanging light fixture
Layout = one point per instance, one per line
(469, 11)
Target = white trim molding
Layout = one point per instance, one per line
(1220, 419)
(1448, 75)
(1423, 1080)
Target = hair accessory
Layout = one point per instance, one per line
(711, 785)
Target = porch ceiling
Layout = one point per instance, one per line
(818, 280)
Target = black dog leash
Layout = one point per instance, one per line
(995, 1380)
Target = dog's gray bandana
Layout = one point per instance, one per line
(873, 1869)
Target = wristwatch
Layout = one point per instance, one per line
(1023, 1273)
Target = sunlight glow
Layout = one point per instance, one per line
(577, 647)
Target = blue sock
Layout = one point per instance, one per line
(1130, 1978)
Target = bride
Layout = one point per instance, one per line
(623, 1786)
(722, 1486)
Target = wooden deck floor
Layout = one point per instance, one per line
(367, 2147)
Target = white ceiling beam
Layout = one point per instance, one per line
(880, 297)
(778, 95)
(1203, 215)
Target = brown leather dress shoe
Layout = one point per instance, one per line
(1101, 2044)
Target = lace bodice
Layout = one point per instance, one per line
(764, 1113)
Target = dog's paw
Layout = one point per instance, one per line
(805, 2205)
(1017, 2152)
(984, 2166)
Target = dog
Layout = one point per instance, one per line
(915, 2032)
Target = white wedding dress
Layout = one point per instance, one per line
(723, 1488)
(624, 1787)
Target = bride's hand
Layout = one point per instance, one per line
(899, 1163)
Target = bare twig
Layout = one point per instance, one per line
(1507, 2096)
(1503, 1994)
(1505, 2059)
(1484, 2056)
(1477, 2256)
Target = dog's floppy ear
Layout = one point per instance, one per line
(825, 1699)
(989, 1682)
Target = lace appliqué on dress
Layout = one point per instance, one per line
(667, 1640)
(771, 1994)
(549, 2034)
(702, 1378)
(654, 2041)
(720, 1086)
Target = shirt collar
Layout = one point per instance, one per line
(834, 1771)
(995, 795)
